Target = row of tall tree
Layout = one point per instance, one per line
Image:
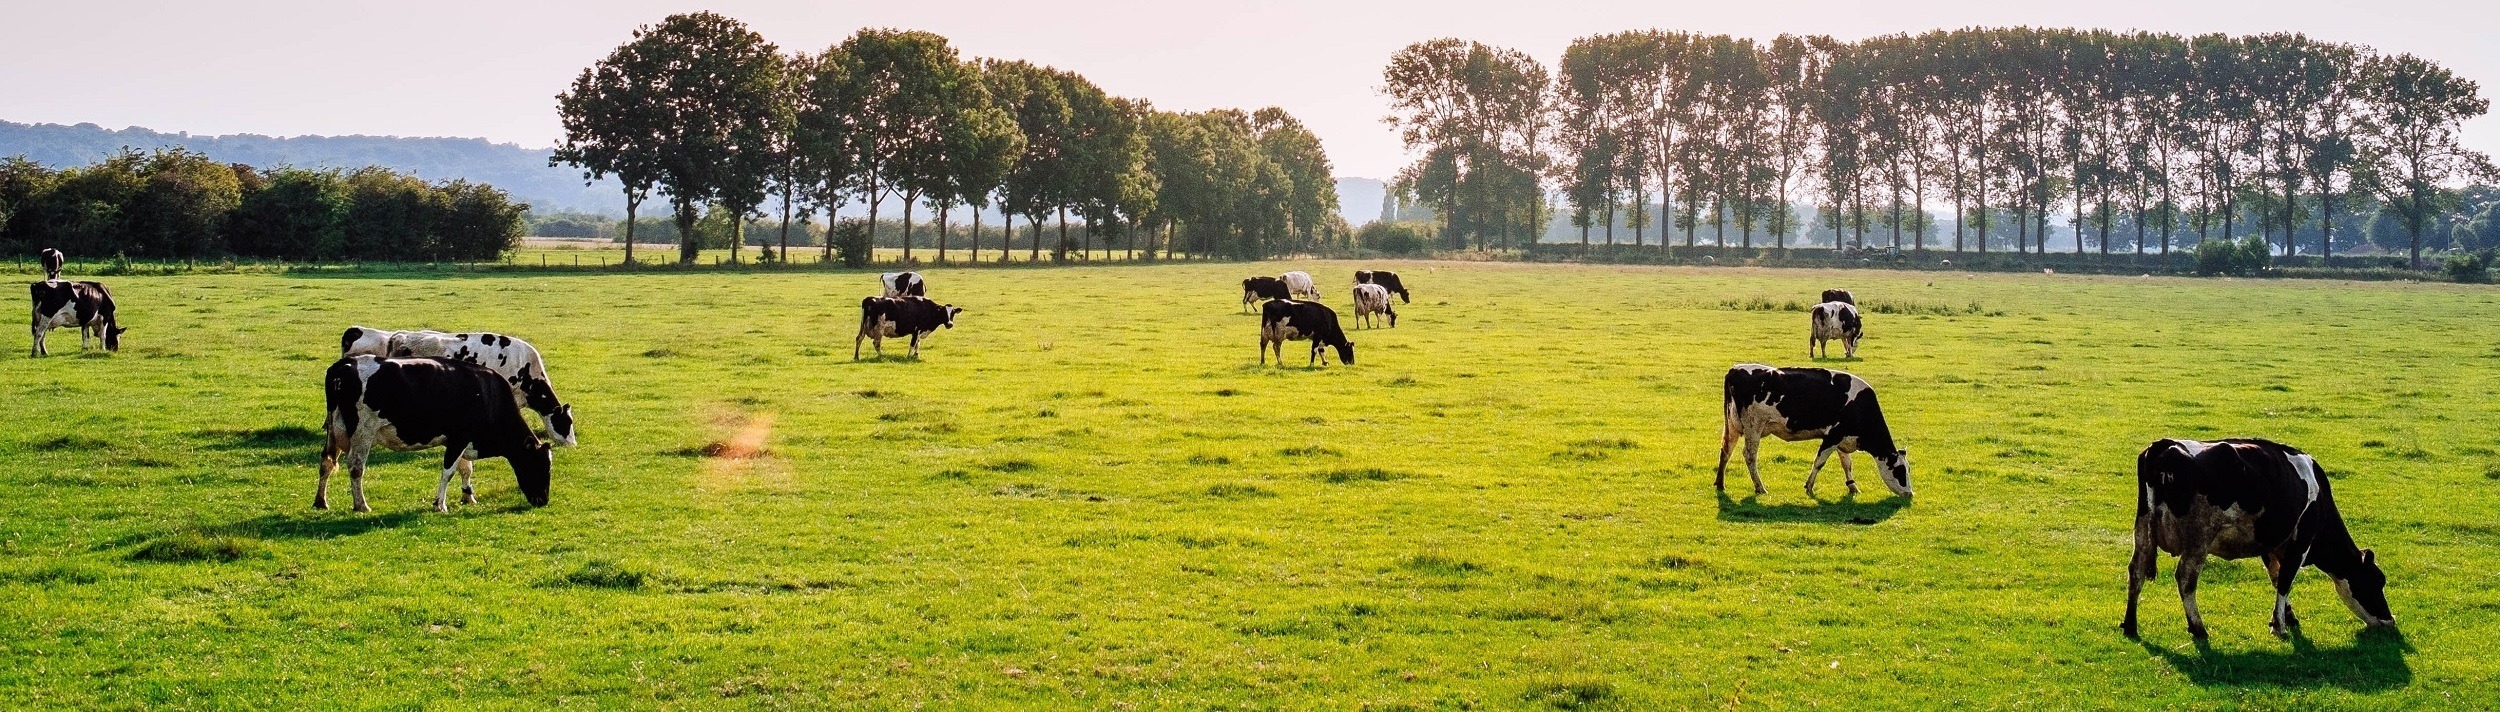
(177, 204)
(701, 110)
(2111, 131)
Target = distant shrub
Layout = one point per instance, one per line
(852, 244)
(1392, 238)
(2243, 258)
(2471, 267)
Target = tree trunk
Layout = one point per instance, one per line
(686, 246)
(1006, 237)
(784, 254)
(943, 210)
(632, 204)
(1060, 252)
(908, 200)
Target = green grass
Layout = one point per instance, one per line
(1089, 495)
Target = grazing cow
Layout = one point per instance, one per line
(1288, 320)
(1257, 288)
(422, 403)
(52, 261)
(1372, 299)
(1384, 278)
(86, 305)
(1795, 404)
(1839, 295)
(1299, 283)
(2239, 498)
(1835, 320)
(882, 318)
(904, 284)
(516, 360)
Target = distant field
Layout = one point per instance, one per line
(1090, 495)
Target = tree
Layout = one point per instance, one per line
(902, 89)
(1033, 99)
(693, 101)
(1477, 114)
(2414, 111)
(609, 118)
(297, 214)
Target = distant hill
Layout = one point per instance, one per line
(523, 172)
(1358, 199)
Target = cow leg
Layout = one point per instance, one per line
(468, 491)
(1848, 472)
(2139, 570)
(35, 347)
(451, 467)
(329, 463)
(855, 345)
(1753, 464)
(2283, 571)
(2191, 563)
(1727, 441)
(356, 458)
(915, 347)
(1816, 471)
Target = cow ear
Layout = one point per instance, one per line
(2369, 557)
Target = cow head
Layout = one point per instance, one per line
(363, 340)
(2364, 589)
(1345, 352)
(530, 468)
(560, 426)
(1896, 471)
(113, 338)
(951, 311)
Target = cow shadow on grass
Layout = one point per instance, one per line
(1846, 510)
(2375, 661)
(884, 358)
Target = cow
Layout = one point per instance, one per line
(52, 261)
(1795, 404)
(1288, 320)
(1386, 279)
(518, 362)
(1371, 300)
(1299, 284)
(882, 318)
(1839, 295)
(904, 284)
(423, 403)
(1257, 288)
(2243, 497)
(1834, 320)
(86, 305)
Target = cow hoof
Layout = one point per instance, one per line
(2127, 629)
(319, 503)
(2197, 632)
(362, 509)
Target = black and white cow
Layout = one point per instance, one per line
(1834, 320)
(518, 362)
(1371, 300)
(1839, 295)
(1257, 288)
(52, 261)
(1299, 283)
(904, 284)
(882, 318)
(1795, 404)
(423, 403)
(1288, 320)
(86, 305)
(1386, 279)
(2239, 498)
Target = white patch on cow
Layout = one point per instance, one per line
(1299, 283)
(2306, 468)
(1856, 386)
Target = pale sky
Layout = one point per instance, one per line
(490, 69)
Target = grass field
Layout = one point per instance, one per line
(1089, 494)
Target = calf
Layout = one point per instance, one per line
(1372, 299)
(904, 284)
(1386, 279)
(516, 360)
(1257, 288)
(86, 305)
(1288, 320)
(1839, 295)
(52, 261)
(2239, 498)
(882, 318)
(422, 403)
(1300, 284)
(1795, 404)
(1835, 320)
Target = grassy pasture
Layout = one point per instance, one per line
(1089, 495)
